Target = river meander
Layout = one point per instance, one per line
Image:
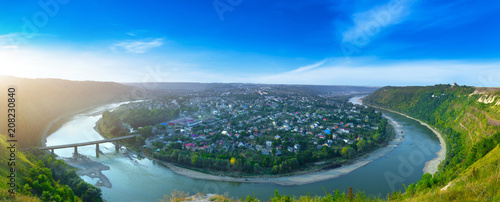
(141, 179)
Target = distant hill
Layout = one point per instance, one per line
(469, 120)
(40, 101)
(193, 86)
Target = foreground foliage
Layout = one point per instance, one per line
(177, 196)
(41, 177)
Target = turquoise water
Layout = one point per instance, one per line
(140, 179)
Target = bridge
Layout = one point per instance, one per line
(96, 142)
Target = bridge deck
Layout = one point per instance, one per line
(86, 143)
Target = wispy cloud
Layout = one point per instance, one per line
(308, 67)
(7, 40)
(369, 23)
(138, 46)
(131, 34)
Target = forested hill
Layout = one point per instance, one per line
(40, 101)
(469, 120)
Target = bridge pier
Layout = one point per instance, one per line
(52, 151)
(117, 146)
(97, 150)
(75, 155)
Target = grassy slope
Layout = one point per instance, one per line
(479, 182)
(464, 118)
(40, 101)
(23, 165)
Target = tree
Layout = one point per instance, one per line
(256, 168)
(146, 131)
(233, 160)
(275, 169)
(361, 145)
(376, 137)
(348, 152)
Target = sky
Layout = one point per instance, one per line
(324, 42)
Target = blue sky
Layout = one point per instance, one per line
(341, 42)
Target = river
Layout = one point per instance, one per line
(141, 179)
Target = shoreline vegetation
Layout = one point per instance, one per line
(432, 165)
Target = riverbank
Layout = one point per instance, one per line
(432, 165)
(303, 178)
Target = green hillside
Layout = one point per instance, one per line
(468, 118)
(22, 163)
(40, 176)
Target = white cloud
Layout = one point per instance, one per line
(7, 40)
(138, 46)
(309, 67)
(9, 47)
(368, 24)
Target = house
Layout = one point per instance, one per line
(278, 152)
(210, 148)
(277, 137)
(348, 141)
(241, 144)
(258, 147)
(297, 146)
(269, 143)
(237, 135)
(191, 146)
(290, 149)
(319, 147)
(251, 137)
(265, 151)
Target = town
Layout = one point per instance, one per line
(257, 129)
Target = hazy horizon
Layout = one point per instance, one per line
(396, 42)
